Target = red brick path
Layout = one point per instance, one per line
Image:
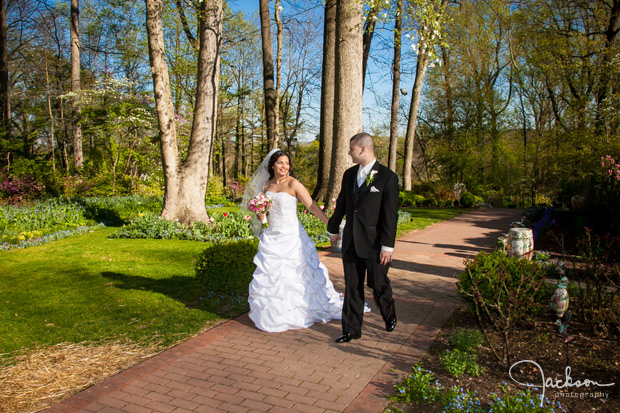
(237, 368)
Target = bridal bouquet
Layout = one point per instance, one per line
(260, 204)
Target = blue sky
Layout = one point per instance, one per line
(248, 6)
(377, 94)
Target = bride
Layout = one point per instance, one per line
(290, 287)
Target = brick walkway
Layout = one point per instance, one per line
(237, 368)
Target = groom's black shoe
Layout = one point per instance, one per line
(390, 325)
(345, 338)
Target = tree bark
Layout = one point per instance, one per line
(5, 111)
(280, 30)
(326, 126)
(78, 158)
(416, 93)
(186, 183)
(369, 31)
(51, 115)
(348, 91)
(392, 158)
(268, 75)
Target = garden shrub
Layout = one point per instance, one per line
(15, 189)
(503, 290)
(215, 191)
(402, 199)
(502, 278)
(418, 200)
(227, 267)
(468, 200)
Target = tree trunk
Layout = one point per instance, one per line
(5, 111)
(326, 126)
(63, 143)
(280, 30)
(186, 183)
(268, 86)
(395, 87)
(78, 159)
(51, 115)
(369, 31)
(416, 93)
(348, 90)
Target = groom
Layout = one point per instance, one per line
(369, 200)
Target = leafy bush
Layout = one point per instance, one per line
(19, 188)
(215, 191)
(457, 363)
(468, 200)
(466, 340)
(503, 290)
(431, 202)
(227, 267)
(500, 278)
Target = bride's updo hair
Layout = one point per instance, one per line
(273, 160)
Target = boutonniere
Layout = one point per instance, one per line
(370, 177)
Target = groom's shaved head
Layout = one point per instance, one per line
(363, 139)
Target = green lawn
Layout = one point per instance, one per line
(89, 287)
(423, 217)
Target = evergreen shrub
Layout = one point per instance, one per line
(227, 267)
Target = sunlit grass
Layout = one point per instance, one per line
(89, 287)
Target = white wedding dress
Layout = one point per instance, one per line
(291, 288)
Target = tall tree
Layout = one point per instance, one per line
(429, 16)
(328, 78)
(398, 20)
(348, 96)
(279, 35)
(186, 181)
(268, 74)
(78, 157)
(369, 31)
(5, 111)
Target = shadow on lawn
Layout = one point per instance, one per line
(184, 289)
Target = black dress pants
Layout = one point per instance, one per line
(355, 271)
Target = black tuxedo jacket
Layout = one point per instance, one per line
(371, 219)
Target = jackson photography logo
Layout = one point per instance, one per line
(564, 388)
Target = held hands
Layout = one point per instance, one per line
(334, 237)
